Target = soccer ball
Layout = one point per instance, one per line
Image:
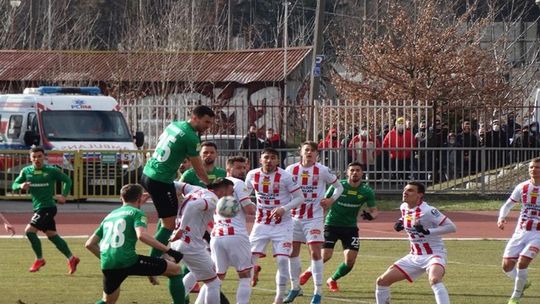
(227, 206)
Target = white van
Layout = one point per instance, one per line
(67, 119)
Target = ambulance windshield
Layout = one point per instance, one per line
(85, 126)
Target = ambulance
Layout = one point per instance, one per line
(69, 119)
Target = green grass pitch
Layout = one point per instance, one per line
(473, 276)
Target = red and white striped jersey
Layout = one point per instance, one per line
(272, 190)
(313, 181)
(528, 194)
(429, 217)
(193, 221)
(237, 225)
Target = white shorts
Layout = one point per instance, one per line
(414, 265)
(280, 235)
(308, 231)
(200, 264)
(525, 243)
(233, 250)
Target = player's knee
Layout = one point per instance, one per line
(244, 274)
(381, 281)
(523, 262)
(173, 269)
(213, 284)
(434, 280)
(508, 265)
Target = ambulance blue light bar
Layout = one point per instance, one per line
(69, 90)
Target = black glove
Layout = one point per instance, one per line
(398, 226)
(367, 216)
(176, 255)
(421, 229)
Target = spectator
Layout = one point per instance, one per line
(496, 138)
(467, 139)
(383, 163)
(524, 139)
(451, 157)
(436, 139)
(252, 144)
(419, 163)
(365, 149)
(273, 140)
(330, 148)
(511, 127)
(400, 143)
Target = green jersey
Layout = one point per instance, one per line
(42, 184)
(118, 237)
(191, 177)
(344, 211)
(178, 141)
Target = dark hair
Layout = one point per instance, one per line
(201, 110)
(355, 163)
(37, 149)
(419, 186)
(535, 160)
(219, 183)
(130, 193)
(235, 159)
(313, 145)
(209, 144)
(270, 151)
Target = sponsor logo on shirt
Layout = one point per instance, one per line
(287, 245)
(435, 212)
(315, 231)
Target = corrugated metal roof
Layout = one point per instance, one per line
(242, 66)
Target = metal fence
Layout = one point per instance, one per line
(101, 174)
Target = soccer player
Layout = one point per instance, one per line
(178, 141)
(208, 155)
(523, 247)
(230, 241)
(308, 219)
(114, 244)
(196, 212)
(276, 194)
(341, 222)
(424, 226)
(9, 228)
(40, 181)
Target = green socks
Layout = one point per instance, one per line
(177, 289)
(61, 245)
(101, 302)
(341, 271)
(36, 244)
(162, 235)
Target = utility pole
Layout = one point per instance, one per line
(49, 25)
(314, 87)
(285, 67)
(229, 24)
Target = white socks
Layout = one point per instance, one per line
(441, 294)
(521, 280)
(189, 281)
(382, 294)
(512, 273)
(281, 277)
(244, 291)
(317, 271)
(295, 267)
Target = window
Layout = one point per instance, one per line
(15, 126)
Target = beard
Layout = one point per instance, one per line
(209, 161)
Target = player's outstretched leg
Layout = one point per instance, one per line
(63, 247)
(36, 247)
